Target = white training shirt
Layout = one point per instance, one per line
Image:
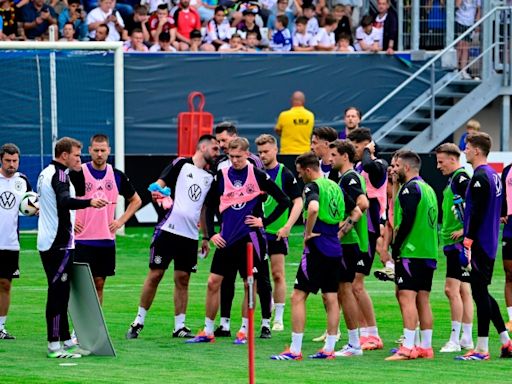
(191, 187)
(302, 40)
(368, 39)
(96, 15)
(324, 38)
(12, 190)
(466, 13)
(378, 25)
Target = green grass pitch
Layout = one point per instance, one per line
(157, 358)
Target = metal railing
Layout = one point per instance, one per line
(496, 55)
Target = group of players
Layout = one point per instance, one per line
(353, 204)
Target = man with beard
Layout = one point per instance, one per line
(415, 253)
(239, 192)
(13, 185)
(96, 229)
(176, 236)
(374, 172)
(277, 232)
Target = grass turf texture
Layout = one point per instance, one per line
(157, 358)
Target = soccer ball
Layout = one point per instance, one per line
(29, 204)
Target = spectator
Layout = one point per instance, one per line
(37, 18)
(433, 25)
(164, 44)
(186, 19)
(68, 32)
(206, 9)
(343, 44)
(139, 20)
(386, 23)
(75, 15)
(9, 22)
(2, 36)
(266, 7)
(152, 5)
(467, 13)
(161, 21)
(196, 40)
(235, 44)
(353, 10)
(236, 13)
(295, 126)
(252, 43)
(218, 30)
(312, 26)
(472, 126)
(102, 32)
(324, 40)
(301, 38)
(281, 9)
(136, 42)
(281, 37)
(248, 24)
(344, 27)
(367, 37)
(105, 14)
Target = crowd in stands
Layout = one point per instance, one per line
(206, 25)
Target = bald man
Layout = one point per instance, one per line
(295, 126)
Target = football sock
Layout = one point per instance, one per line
(225, 323)
(54, 345)
(278, 316)
(373, 331)
(426, 338)
(467, 333)
(330, 342)
(504, 337)
(245, 325)
(353, 338)
(179, 321)
(455, 334)
(141, 316)
(409, 336)
(208, 326)
(482, 344)
(296, 346)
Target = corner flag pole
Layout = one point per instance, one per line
(250, 284)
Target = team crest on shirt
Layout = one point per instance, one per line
(158, 259)
(88, 187)
(109, 184)
(249, 188)
(432, 217)
(206, 181)
(194, 192)
(7, 200)
(18, 185)
(99, 195)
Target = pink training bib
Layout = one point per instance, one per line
(508, 182)
(376, 193)
(238, 195)
(96, 221)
